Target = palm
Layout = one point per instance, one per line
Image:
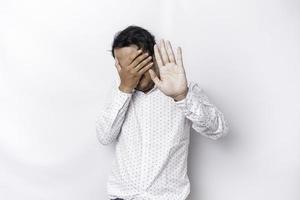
(172, 80)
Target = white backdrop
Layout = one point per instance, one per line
(55, 69)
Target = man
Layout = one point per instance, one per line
(149, 116)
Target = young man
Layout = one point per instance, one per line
(149, 115)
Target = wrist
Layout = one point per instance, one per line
(181, 96)
(125, 89)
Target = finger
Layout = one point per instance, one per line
(170, 52)
(117, 65)
(135, 55)
(139, 59)
(144, 69)
(179, 57)
(157, 56)
(163, 51)
(143, 63)
(155, 78)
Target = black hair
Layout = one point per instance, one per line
(136, 35)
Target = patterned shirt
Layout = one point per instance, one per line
(152, 133)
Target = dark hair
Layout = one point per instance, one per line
(134, 35)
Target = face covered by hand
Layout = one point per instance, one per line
(124, 56)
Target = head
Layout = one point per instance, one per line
(128, 42)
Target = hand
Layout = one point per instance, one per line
(172, 82)
(131, 74)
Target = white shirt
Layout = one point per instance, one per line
(152, 134)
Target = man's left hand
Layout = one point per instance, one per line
(172, 81)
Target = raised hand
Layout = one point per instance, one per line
(172, 81)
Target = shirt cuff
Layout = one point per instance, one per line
(121, 96)
(182, 103)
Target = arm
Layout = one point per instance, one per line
(206, 118)
(111, 117)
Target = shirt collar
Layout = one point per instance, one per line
(150, 91)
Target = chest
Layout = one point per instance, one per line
(154, 117)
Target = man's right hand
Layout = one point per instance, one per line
(130, 75)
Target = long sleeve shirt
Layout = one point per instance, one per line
(152, 133)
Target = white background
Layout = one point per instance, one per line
(55, 69)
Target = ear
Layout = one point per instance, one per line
(117, 64)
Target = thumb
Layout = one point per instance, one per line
(154, 77)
